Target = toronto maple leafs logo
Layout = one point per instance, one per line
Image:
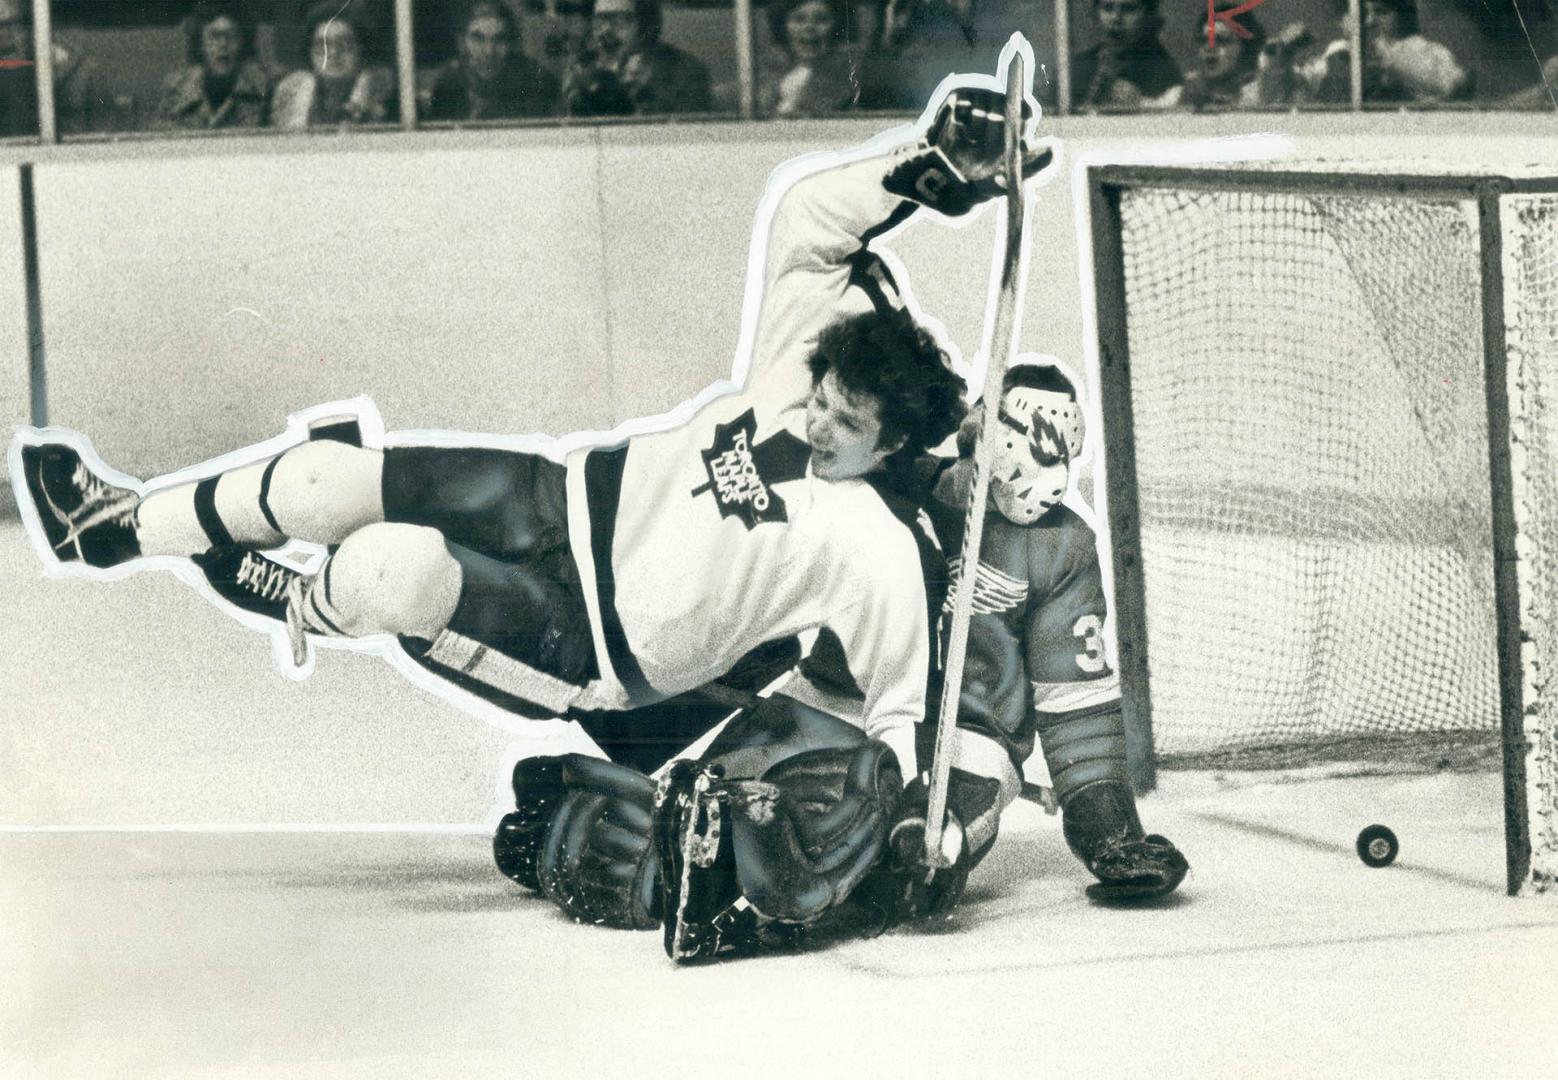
(742, 472)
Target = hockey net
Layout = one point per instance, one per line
(1310, 448)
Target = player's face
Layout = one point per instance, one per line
(844, 430)
(810, 29)
(1121, 21)
(336, 53)
(1040, 432)
(486, 47)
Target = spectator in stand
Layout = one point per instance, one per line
(1129, 68)
(625, 69)
(920, 42)
(564, 27)
(78, 105)
(340, 88)
(491, 79)
(1242, 73)
(222, 86)
(1399, 63)
(818, 74)
(1543, 94)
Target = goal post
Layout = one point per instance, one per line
(1330, 410)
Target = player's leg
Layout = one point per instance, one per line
(321, 491)
(1085, 750)
(409, 581)
(384, 579)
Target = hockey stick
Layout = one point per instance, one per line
(974, 524)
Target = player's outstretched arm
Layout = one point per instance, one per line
(817, 266)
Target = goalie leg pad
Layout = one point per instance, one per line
(598, 862)
(1084, 747)
(705, 913)
(825, 830)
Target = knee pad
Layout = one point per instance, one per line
(390, 579)
(598, 861)
(826, 831)
(1084, 747)
(324, 490)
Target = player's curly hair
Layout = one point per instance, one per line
(890, 357)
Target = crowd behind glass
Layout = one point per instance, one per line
(133, 65)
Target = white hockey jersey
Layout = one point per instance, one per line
(700, 543)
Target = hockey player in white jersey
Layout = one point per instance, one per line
(629, 572)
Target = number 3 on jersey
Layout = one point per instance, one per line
(1090, 628)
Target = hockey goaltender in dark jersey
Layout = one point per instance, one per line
(778, 831)
(1036, 670)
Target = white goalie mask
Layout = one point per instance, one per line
(1040, 435)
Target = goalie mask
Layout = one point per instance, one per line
(1041, 432)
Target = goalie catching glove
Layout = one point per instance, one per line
(958, 165)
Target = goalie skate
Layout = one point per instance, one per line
(705, 914)
(1135, 870)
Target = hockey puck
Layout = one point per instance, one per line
(1377, 846)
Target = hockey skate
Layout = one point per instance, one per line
(1137, 870)
(248, 579)
(84, 517)
(706, 917)
(1101, 826)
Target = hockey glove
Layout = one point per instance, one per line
(907, 886)
(958, 165)
(538, 792)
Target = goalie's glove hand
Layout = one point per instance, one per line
(914, 886)
(959, 163)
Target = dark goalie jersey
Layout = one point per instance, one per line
(1036, 645)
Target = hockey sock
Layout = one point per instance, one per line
(231, 508)
(320, 491)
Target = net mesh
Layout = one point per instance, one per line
(1531, 328)
(1312, 459)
